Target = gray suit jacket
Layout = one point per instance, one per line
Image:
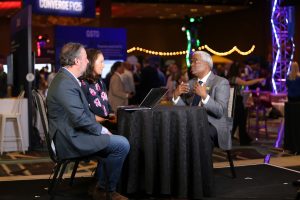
(72, 126)
(217, 107)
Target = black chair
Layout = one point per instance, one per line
(61, 164)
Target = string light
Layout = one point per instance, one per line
(147, 51)
(184, 52)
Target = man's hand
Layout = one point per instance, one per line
(181, 89)
(200, 90)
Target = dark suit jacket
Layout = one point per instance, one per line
(72, 126)
(217, 107)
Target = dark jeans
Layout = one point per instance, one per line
(115, 154)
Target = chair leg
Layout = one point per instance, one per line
(266, 125)
(54, 178)
(231, 163)
(62, 171)
(74, 172)
(20, 134)
(257, 123)
(3, 122)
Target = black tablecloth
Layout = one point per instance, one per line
(170, 151)
(292, 127)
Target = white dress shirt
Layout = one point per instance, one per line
(204, 101)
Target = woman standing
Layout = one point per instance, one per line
(240, 116)
(117, 94)
(293, 83)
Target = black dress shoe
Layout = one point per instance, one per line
(296, 183)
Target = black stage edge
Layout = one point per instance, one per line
(252, 182)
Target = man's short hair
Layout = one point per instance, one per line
(68, 53)
(205, 57)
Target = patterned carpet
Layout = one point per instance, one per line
(38, 163)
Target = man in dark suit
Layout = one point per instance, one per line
(72, 126)
(211, 92)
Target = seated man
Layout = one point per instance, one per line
(72, 126)
(211, 92)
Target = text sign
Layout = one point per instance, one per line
(111, 41)
(76, 8)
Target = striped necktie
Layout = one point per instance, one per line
(197, 98)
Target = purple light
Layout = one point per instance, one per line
(283, 45)
(292, 56)
(267, 159)
(280, 134)
(278, 47)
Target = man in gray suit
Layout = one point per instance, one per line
(211, 92)
(72, 126)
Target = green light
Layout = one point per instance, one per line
(192, 19)
(189, 45)
(198, 42)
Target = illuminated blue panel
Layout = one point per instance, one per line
(111, 41)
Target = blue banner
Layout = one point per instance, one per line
(75, 8)
(111, 41)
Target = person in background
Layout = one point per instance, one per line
(43, 85)
(252, 71)
(51, 76)
(293, 83)
(149, 78)
(173, 79)
(293, 93)
(128, 80)
(161, 75)
(240, 114)
(117, 95)
(73, 127)
(95, 90)
(211, 92)
(109, 75)
(3, 82)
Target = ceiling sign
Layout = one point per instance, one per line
(75, 8)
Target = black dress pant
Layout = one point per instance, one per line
(240, 120)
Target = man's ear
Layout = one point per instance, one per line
(76, 61)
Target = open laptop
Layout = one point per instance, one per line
(151, 100)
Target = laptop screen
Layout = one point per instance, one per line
(153, 97)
